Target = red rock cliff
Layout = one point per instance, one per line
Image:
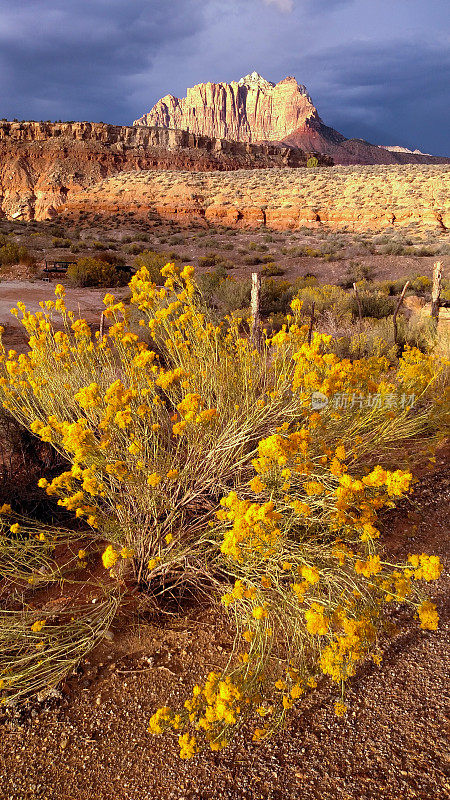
(43, 165)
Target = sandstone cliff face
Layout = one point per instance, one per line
(249, 110)
(255, 110)
(42, 165)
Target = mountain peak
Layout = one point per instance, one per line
(255, 79)
(396, 148)
(249, 110)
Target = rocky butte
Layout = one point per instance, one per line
(256, 110)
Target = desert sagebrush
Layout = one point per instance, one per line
(200, 459)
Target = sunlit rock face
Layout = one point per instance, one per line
(249, 110)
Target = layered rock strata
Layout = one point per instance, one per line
(42, 165)
(249, 110)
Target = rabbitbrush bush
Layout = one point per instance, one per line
(200, 461)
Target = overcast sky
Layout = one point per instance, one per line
(376, 69)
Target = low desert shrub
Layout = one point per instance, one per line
(424, 251)
(328, 254)
(272, 270)
(95, 272)
(421, 284)
(210, 260)
(392, 249)
(135, 248)
(391, 287)
(222, 293)
(326, 298)
(258, 246)
(306, 280)
(252, 261)
(356, 273)
(276, 297)
(13, 253)
(61, 243)
(202, 461)
(373, 304)
(375, 336)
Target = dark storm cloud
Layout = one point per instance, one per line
(75, 59)
(376, 70)
(396, 94)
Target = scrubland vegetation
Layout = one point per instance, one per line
(202, 464)
(343, 198)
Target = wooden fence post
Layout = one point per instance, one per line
(102, 326)
(255, 304)
(397, 309)
(311, 324)
(436, 291)
(358, 300)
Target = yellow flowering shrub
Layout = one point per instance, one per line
(194, 454)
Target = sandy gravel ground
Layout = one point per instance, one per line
(87, 303)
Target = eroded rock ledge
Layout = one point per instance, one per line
(44, 165)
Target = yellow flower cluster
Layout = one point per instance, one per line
(428, 616)
(109, 557)
(278, 449)
(161, 719)
(426, 568)
(358, 501)
(340, 709)
(416, 369)
(239, 592)
(212, 707)
(319, 371)
(310, 574)
(398, 585)
(317, 622)
(256, 485)
(188, 746)
(38, 625)
(192, 410)
(397, 483)
(369, 567)
(339, 658)
(254, 528)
